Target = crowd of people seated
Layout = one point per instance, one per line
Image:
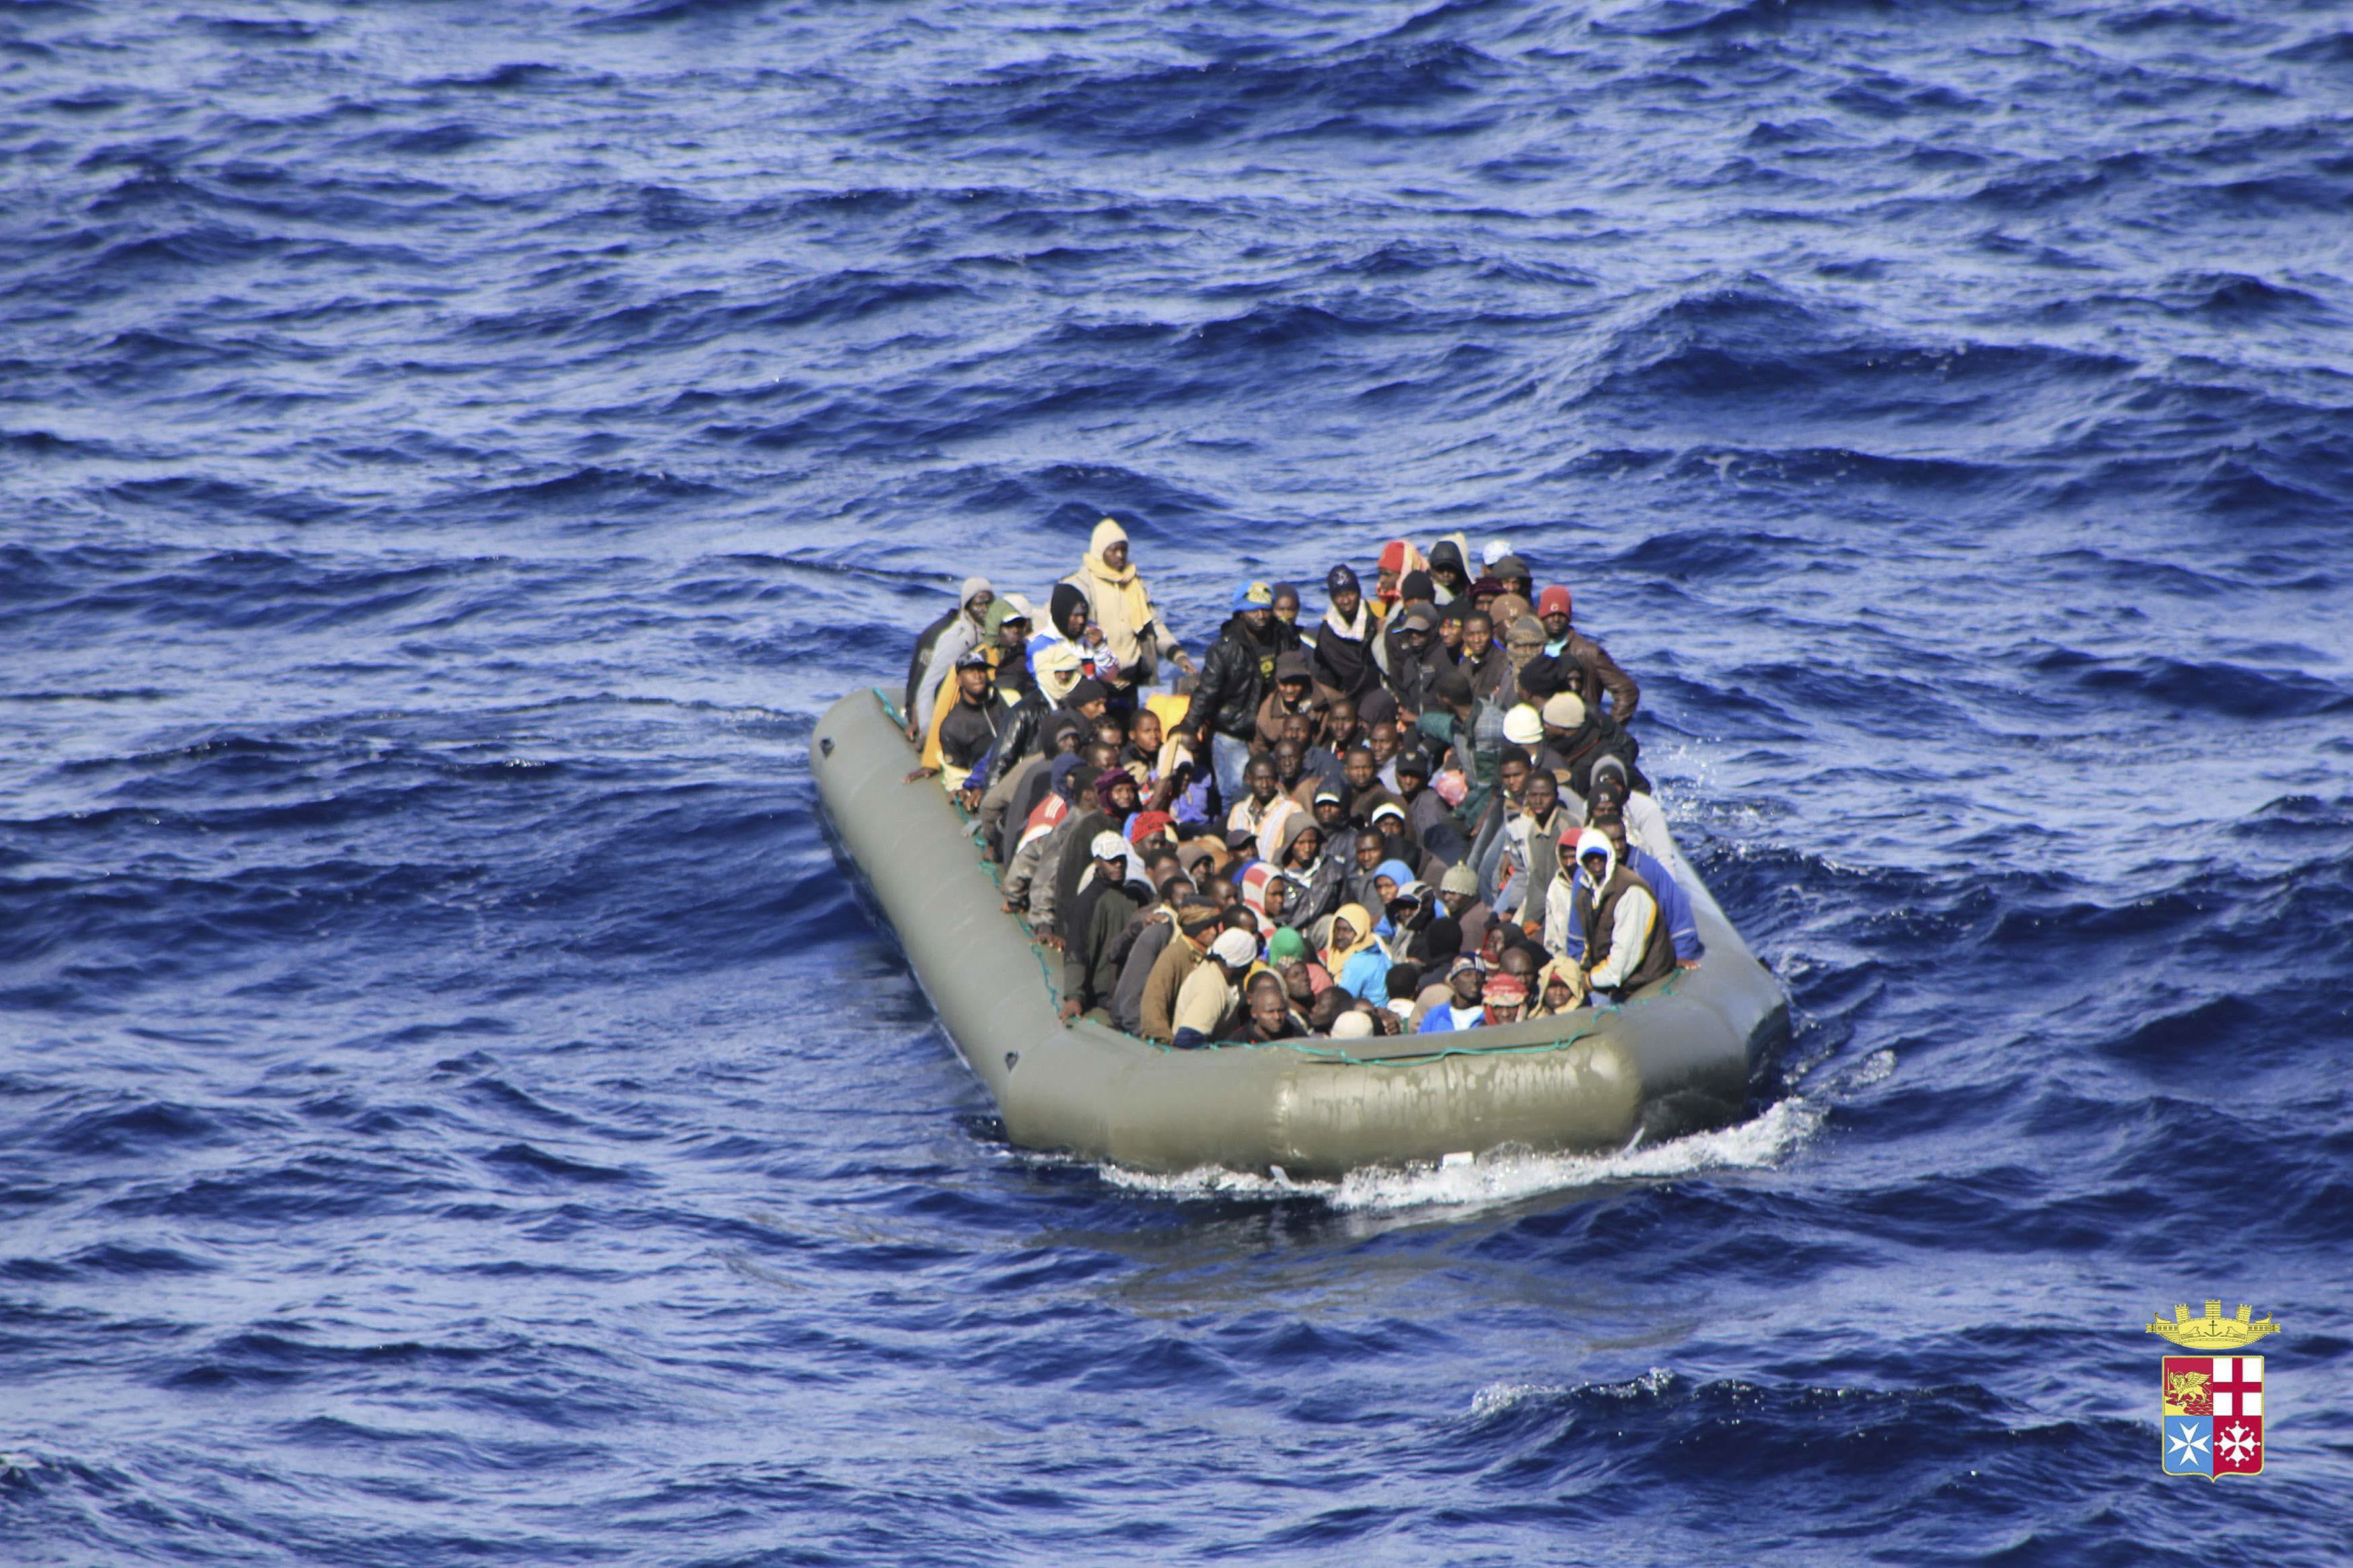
(1420, 812)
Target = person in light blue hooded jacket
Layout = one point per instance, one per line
(1355, 958)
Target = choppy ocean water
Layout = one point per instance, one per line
(450, 1110)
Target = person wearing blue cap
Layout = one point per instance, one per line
(1236, 675)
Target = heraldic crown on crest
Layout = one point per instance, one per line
(2214, 1332)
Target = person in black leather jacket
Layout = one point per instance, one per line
(1236, 675)
(1058, 681)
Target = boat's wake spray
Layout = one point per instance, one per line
(1506, 1175)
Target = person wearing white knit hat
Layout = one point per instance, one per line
(1207, 1005)
(1563, 715)
(1564, 711)
(1579, 739)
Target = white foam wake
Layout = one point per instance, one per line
(1506, 1176)
(1498, 1398)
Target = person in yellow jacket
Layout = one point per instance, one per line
(1132, 624)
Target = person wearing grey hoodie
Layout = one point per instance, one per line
(960, 636)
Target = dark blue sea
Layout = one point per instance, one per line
(452, 1110)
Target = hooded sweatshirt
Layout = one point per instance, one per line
(1098, 912)
(1361, 968)
(1316, 886)
(1534, 850)
(1674, 905)
(1148, 938)
(1276, 823)
(1399, 873)
(1255, 877)
(1399, 556)
(921, 660)
(962, 636)
(1455, 550)
(1133, 630)
(1619, 918)
(1563, 969)
(1094, 663)
(1028, 879)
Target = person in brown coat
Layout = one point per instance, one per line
(1571, 661)
(1197, 928)
(1294, 691)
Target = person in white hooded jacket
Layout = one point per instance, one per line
(1624, 942)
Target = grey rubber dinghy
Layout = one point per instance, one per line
(1671, 1060)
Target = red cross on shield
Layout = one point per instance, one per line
(2238, 1391)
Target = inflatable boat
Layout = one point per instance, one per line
(1670, 1059)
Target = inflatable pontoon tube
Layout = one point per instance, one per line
(1672, 1059)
